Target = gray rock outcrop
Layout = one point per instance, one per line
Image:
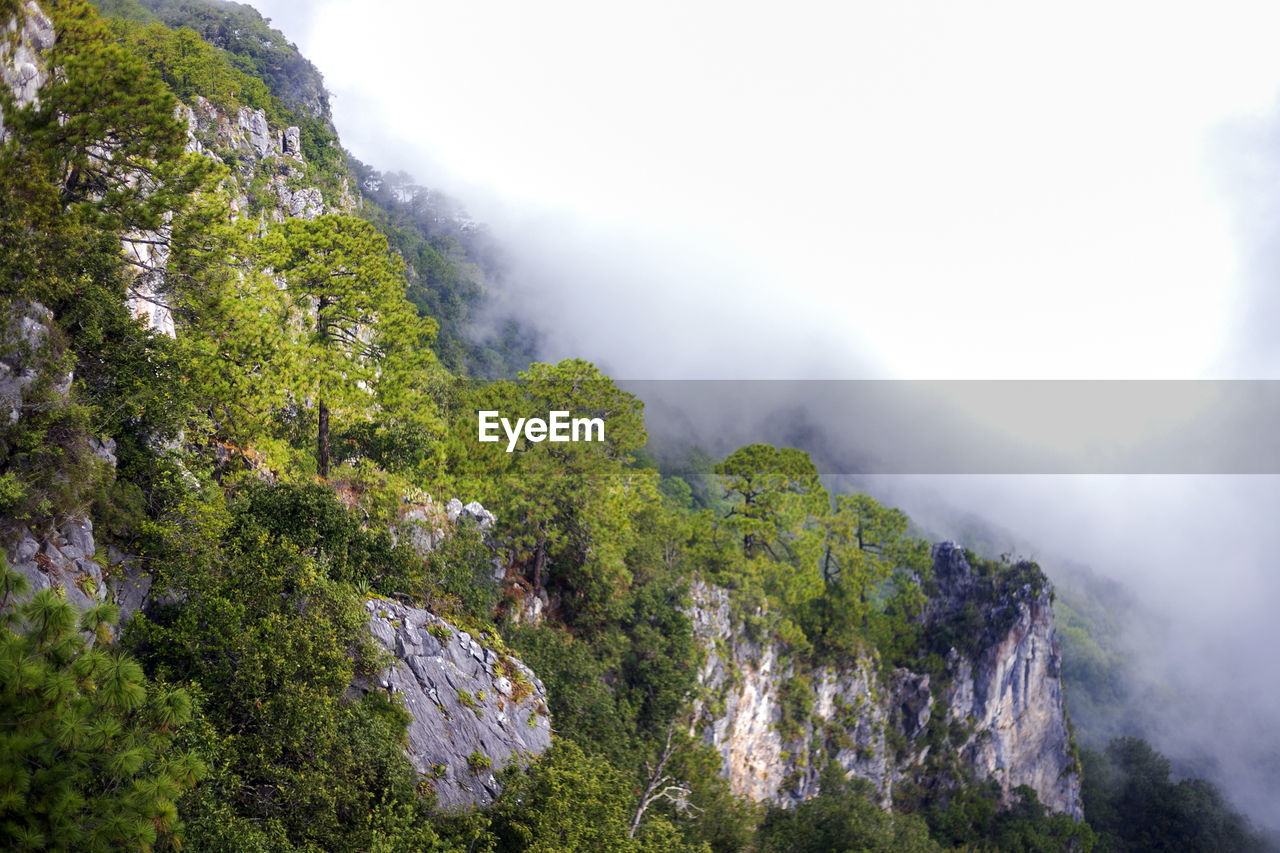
(423, 526)
(1011, 694)
(23, 40)
(299, 202)
(474, 708)
(67, 559)
(63, 560)
(253, 128)
(291, 143)
(1002, 704)
(472, 513)
(24, 341)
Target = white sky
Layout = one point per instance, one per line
(966, 190)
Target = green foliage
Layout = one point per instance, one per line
(450, 270)
(458, 581)
(364, 346)
(569, 801)
(274, 643)
(191, 67)
(842, 817)
(972, 815)
(569, 509)
(313, 520)
(46, 469)
(260, 51)
(104, 133)
(872, 569)
(795, 700)
(1131, 802)
(775, 499)
(87, 754)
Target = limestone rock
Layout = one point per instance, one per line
(472, 513)
(24, 335)
(64, 560)
(291, 143)
(1011, 692)
(148, 295)
(253, 126)
(1002, 702)
(105, 449)
(128, 583)
(741, 721)
(464, 698)
(23, 41)
(299, 203)
(422, 528)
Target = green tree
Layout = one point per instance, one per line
(568, 801)
(364, 346)
(274, 643)
(866, 545)
(1133, 805)
(775, 494)
(87, 757)
(569, 509)
(842, 818)
(776, 507)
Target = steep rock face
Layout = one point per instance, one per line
(25, 358)
(1000, 710)
(257, 153)
(67, 559)
(466, 699)
(751, 685)
(61, 560)
(23, 40)
(1012, 693)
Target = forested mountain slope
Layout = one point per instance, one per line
(246, 609)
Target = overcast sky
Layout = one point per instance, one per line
(930, 190)
(920, 190)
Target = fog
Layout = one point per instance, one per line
(918, 191)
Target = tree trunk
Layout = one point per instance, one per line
(322, 439)
(539, 561)
(322, 450)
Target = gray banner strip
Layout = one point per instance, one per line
(978, 427)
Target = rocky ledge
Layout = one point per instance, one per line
(474, 708)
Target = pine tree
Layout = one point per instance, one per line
(86, 757)
(364, 345)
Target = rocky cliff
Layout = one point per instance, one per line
(23, 41)
(474, 707)
(994, 713)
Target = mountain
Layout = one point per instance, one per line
(246, 608)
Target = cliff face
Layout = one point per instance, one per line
(1011, 692)
(265, 162)
(997, 711)
(23, 42)
(474, 708)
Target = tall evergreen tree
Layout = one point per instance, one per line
(364, 344)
